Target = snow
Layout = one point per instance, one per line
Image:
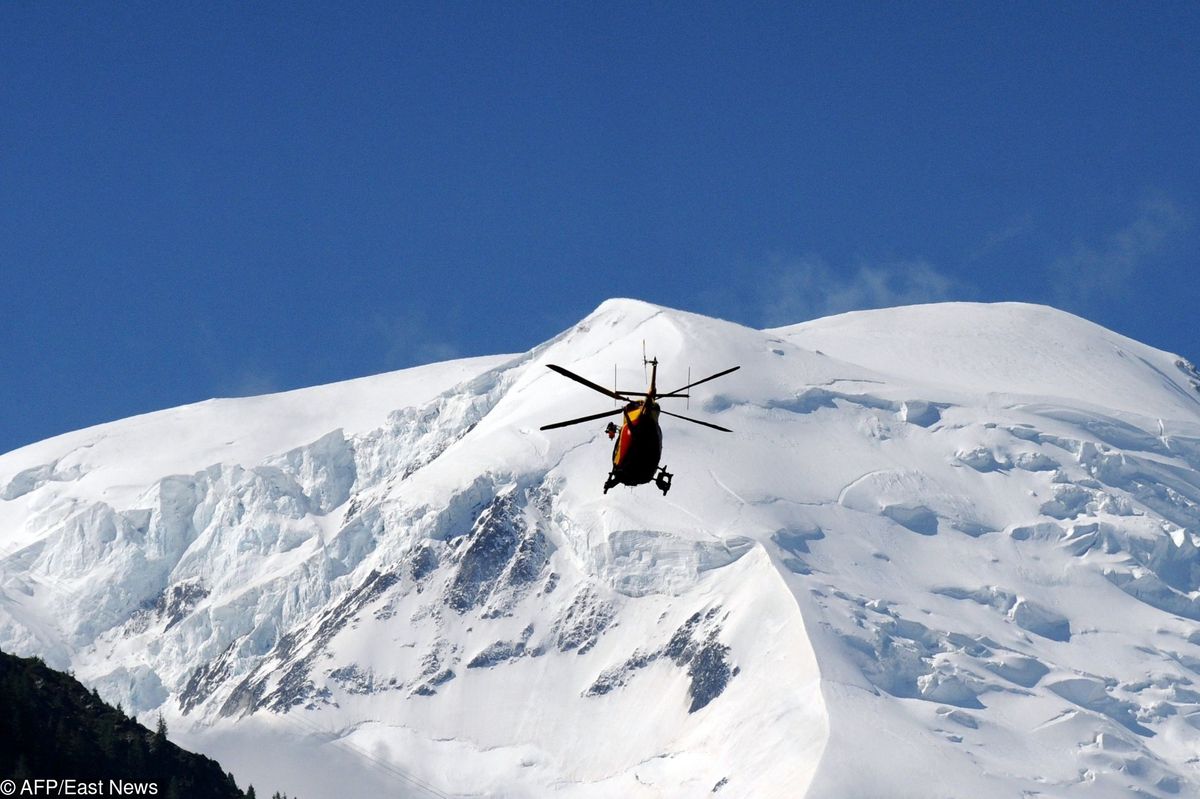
(950, 550)
(1007, 349)
(130, 454)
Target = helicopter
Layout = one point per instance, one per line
(637, 447)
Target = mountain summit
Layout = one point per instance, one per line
(949, 550)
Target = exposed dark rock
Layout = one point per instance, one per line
(295, 686)
(710, 672)
(422, 562)
(205, 679)
(244, 698)
(611, 679)
(582, 623)
(677, 648)
(1189, 371)
(532, 555)
(356, 681)
(499, 560)
(177, 601)
(501, 651)
(497, 653)
(492, 544)
(352, 509)
(706, 660)
(429, 688)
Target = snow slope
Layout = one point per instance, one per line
(950, 550)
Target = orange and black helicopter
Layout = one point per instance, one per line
(638, 445)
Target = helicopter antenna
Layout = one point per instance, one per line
(689, 396)
(615, 402)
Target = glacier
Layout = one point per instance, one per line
(950, 550)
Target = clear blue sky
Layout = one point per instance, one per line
(210, 199)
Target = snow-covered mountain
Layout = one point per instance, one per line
(949, 551)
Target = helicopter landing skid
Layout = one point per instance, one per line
(663, 480)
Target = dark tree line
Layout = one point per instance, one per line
(52, 727)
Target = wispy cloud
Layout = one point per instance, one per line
(1096, 271)
(232, 371)
(807, 288)
(999, 239)
(250, 382)
(411, 340)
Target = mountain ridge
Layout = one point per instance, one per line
(878, 550)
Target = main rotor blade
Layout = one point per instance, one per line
(697, 421)
(705, 380)
(583, 419)
(656, 396)
(593, 386)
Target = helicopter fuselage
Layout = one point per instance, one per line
(638, 446)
